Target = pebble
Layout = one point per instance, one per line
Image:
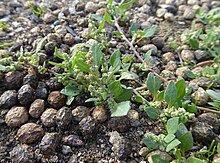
(205, 82)
(193, 2)
(120, 124)
(56, 99)
(49, 47)
(202, 132)
(201, 55)
(73, 141)
(31, 79)
(99, 114)
(171, 66)
(50, 143)
(48, 117)
(54, 37)
(188, 13)
(30, 133)
(91, 7)
(144, 151)
(180, 71)
(49, 18)
(148, 47)
(66, 149)
(36, 108)
(145, 24)
(161, 12)
(64, 118)
(169, 56)
(41, 91)
(158, 42)
(53, 83)
(22, 153)
(169, 16)
(13, 80)
(26, 95)
(87, 127)
(211, 119)
(68, 39)
(187, 55)
(4, 12)
(80, 112)
(8, 99)
(16, 116)
(200, 97)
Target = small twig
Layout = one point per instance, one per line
(204, 63)
(208, 110)
(141, 88)
(133, 48)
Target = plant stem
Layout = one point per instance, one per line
(133, 48)
(208, 110)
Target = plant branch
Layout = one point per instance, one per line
(208, 110)
(133, 48)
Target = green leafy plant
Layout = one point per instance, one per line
(3, 26)
(216, 99)
(177, 140)
(87, 71)
(36, 9)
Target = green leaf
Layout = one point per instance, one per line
(97, 54)
(115, 88)
(159, 159)
(69, 100)
(172, 125)
(101, 25)
(96, 17)
(57, 53)
(83, 66)
(160, 96)
(189, 74)
(70, 90)
(41, 44)
(108, 18)
(149, 32)
(124, 6)
(92, 100)
(169, 138)
(115, 60)
(170, 94)
(172, 145)
(147, 55)
(121, 109)
(181, 89)
(150, 144)
(2, 68)
(151, 112)
(194, 43)
(215, 104)
(218, 148)
(129, 76)
(133, 29)
(186, 141)
(214, 94)
(125, 95)
(153, 83)
(181, 130)
(56, 64)
(139, 99)
(195, 160)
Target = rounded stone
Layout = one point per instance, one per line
(91, 7)
(68, 39)
(200, 97)
(99, 114)
(26, 95)
(169, 16)
(87, 127)
(148, 47)
(120, 124)
(56, 99)
(161, 12)
(31, 79)
(41, 91)
(8, 99)
(73, 141)
(30, 133)
(54, 37)
(80, 112)
(169, 56)
(49, 47)
(64, 118)
(16, 116)
(53, 83)
(201, 55)
(22, 154)
(187, 55)
(48, 118)
(50, 143)
(188, 13)
(13, 80)
(36, 108)
(49, 18)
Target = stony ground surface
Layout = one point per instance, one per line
(35, 123)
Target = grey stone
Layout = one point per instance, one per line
(80, 112)
(49, 47)
(188, 13)
(26, 95)
(73, 141)
(161, 12)
(13, 80)
(48, 118)
(50, 143)
(49, 18)
(120, 124)
(200, 97)
(148, 47)
(31, 79)
(99, 114)
(187, 55)
(64, 118)
(68, 39)
(162, 155)
(91, 7)
(87, 127)
(8, 99)
(201, 55)
(144, 151)
(4, 12)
